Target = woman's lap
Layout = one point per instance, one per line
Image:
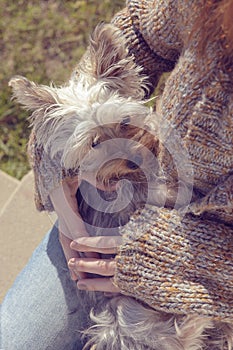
(44, 309)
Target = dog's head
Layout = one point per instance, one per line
(96, 121)
(123, 150)
(88, 135)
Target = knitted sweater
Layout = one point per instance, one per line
(184, 263)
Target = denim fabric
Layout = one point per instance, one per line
(44, 309)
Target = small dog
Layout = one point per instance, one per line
(98, 123)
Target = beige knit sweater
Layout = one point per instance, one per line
(184, 264)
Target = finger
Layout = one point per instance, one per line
(101, 244)
(98, 285)
(69, 254)
(70, 189)
(103, 267)
(73, 223)
(66, 241)
(72, 184)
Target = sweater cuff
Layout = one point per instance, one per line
(48, 173)
(181, 267)
(153, 65)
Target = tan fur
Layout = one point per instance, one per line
(107, 59)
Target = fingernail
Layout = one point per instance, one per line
(71, 261)
(73, 244)
(81, 286)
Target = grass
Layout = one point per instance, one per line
(43, 41)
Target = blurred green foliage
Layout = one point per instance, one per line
(43, 41)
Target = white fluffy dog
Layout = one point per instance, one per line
(97, 124)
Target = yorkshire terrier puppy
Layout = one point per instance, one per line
(99, 124)
(85, 126)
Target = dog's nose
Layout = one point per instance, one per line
(135, 163)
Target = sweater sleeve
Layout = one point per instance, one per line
(177, 265)
(48, 173)
(217, 204)
(129, 22)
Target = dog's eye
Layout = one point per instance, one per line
(131, 165)
(125, 121)
(95, 143)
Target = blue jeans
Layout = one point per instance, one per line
(44, 309)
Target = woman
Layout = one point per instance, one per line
(189, 260)
(197, 101)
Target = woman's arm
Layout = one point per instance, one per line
(155, 60)
(183, 266)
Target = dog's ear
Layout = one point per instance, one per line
(107, 59)
(32, 96)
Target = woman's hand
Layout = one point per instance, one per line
(69, 254)
(102, 267)
(70, 223)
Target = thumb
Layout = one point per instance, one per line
(69, 254)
